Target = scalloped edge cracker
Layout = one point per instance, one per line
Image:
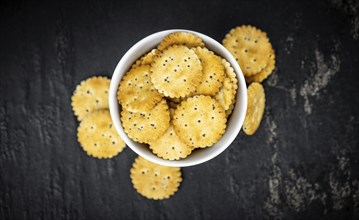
(200, 121)
(250, 47)
(176, 72)
(90, 95)
(98, 137)
(154, 181)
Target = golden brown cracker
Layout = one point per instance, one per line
(213, 72)
(250, 47)
(180, 38)
(98, 137)
(145, 127)
(90, 95)
(136, 92)
(154, 181)
(200, 121)
(176, 72)
(255, 108)
(170, 147)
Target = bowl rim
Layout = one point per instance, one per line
(238, 113)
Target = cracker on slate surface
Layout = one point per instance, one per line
(250, 47)
(154, 181)
(136, 92)
(98, 137)
(200, 121)
(180, 38)
(90, 95)
(176, 72)
(255, 108)
(145, 127)
(170, 147)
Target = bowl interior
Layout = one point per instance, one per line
(198, 156)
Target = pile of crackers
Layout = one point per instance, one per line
(175, 98)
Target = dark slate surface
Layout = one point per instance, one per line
(302, 162)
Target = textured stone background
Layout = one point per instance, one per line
(302, 162)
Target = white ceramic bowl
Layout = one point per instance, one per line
(234, 123)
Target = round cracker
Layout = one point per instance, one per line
(136, 92)
(213, 72)
(170, 147)
(262, 75)
(145, 127)
(176, 72)
(250, 47)
(255, 108)
(154, 181)
(98, 137)
(200, 121)
(180, 38)
(90, 95)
